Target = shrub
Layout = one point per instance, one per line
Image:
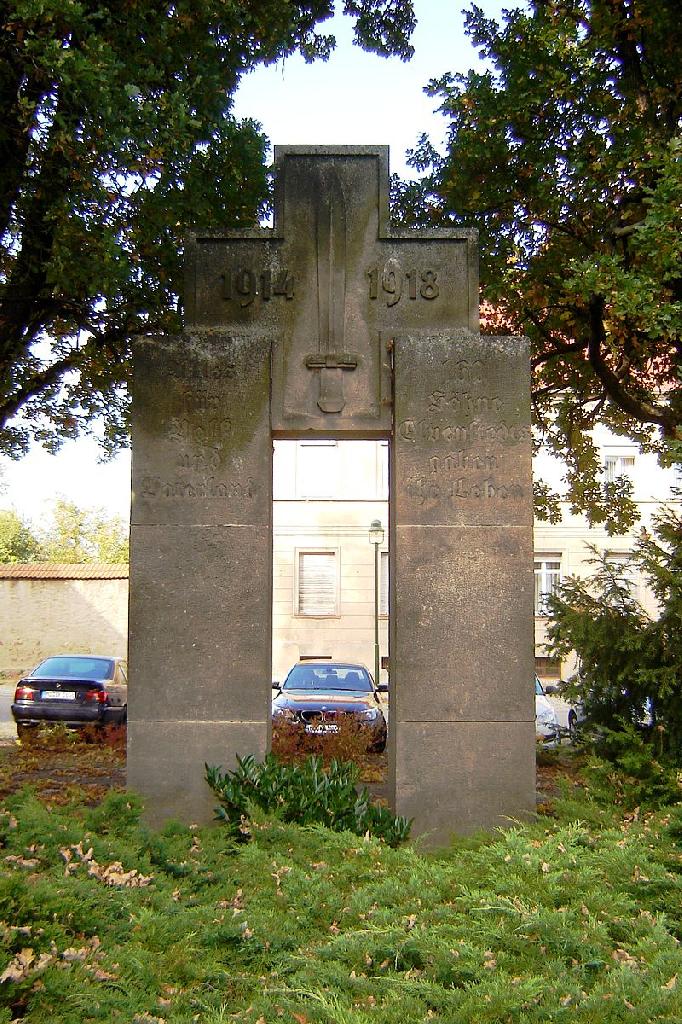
(302, 793)
(629, 774)
(292, 744)
(630, 678)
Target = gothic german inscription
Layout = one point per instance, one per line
(199, 429)
(464, 436)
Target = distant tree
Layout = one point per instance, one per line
(80, 535)
(109, 539)
(116, 136)
(17, 541)
(630, 663)
(567, 155)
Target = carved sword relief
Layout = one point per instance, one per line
(330, 360)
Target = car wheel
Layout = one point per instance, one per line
(25, 733)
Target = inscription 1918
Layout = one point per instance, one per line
(393, 282)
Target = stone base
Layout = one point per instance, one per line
(459, 777)
(166, 763)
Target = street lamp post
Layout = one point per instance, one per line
(376, 537)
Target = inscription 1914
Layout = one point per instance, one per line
(246, 284)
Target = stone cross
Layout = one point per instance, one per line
(331, 284)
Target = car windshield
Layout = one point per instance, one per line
(76, 667)
(328, 677)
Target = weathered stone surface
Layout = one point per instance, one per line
(201, 442)
(462, 614)
(462, 626)
(455, 777)
(200, 564)
(462, 433)
(199, 614)
(362, 332)
(333, 284)
(166, 763)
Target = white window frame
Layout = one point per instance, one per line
(383, 455)
(335, 610)
(546, 569)
(619, 463)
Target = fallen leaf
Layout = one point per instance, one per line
(22, 862)
(623, 957)
(72, 955)
(19, 966)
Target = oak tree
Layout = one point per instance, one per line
(117, 135)
(566, 153)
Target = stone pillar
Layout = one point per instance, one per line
(462, 713)
(200, 607)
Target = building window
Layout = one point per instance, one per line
(317, 583)
(618, 465)
(317, 469)
(383, 584)
(547, 580)
(548, 669)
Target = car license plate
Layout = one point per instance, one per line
(320, 730)
(58, 695)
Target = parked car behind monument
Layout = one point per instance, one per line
(547, 728)
(74, 690)
(317, 696)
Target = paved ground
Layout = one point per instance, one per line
(7, 728)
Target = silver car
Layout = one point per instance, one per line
(547, 728)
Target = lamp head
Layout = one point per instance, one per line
(376, 532)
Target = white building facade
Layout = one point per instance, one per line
(327, 493)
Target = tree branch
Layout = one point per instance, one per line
(569, 348)
(52, 374)
(647, 412)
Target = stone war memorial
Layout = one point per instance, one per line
(333, 324)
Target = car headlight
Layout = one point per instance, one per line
(283, 713)
(370, 714)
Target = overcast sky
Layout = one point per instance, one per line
(354, 98)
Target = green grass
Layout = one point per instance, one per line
(576, 917)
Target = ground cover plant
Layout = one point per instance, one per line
(574, 917)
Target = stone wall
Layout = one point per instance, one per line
(50, 609)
